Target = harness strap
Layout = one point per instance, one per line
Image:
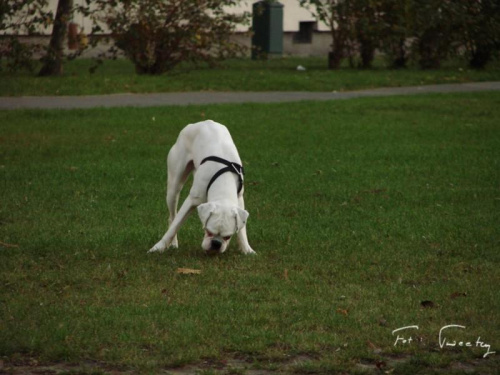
(230, 167)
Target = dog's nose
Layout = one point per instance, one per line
(215, 244)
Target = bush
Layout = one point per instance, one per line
(156, 35)
(480, 27)
(21, 17)
(426, 31)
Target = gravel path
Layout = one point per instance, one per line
(194, 98)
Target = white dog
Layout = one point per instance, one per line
(207, 149)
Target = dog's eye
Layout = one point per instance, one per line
(226, 238)
(210, 234)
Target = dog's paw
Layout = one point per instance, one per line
(175, 243)
(158, 248)
(248, 251)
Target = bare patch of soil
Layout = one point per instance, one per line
(234, 364)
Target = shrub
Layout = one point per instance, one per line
(21, 17)
(156, 35)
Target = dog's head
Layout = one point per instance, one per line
(220, 223)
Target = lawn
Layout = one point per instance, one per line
(367, 215)
(235, 75)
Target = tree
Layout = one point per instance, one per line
(436, 23)
(397, 20)
(335, 15)
(367, 29)
(156, 35)
(480, 30)
(22, 17)
(53, 59)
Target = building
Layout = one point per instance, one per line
(303, 35)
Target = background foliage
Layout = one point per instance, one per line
(156, 35)
(28, 17)
(428, 31)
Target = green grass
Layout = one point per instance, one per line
(236, 75)
(359, 211)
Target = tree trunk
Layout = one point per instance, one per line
(480, 57)
(338, 51)
(367, 52)
(52, 62)
(336, 55)
(430, 49)
(400, 56)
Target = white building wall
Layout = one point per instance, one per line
(293, 14)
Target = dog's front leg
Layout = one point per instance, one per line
(243, 242)
(186, 208)
(242, 234)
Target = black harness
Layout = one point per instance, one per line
(229, 167)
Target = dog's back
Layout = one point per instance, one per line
(208, 138)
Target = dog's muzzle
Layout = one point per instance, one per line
(215, 244)
(215, 247)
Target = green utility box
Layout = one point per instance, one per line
(267, 27)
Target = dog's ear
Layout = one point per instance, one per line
(241, 217)
(204, 211)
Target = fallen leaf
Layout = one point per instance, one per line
(343, 312)
(373, 347)
(427, 304)
(188, 271)
(7, 244)
(285, 275)
(382, 322)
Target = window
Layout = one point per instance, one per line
(305, 33)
